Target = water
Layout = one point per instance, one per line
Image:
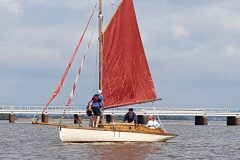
(215, 141)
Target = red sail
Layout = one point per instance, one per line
(126, 75)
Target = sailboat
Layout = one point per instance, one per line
(124, 78)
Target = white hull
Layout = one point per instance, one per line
(72, 135)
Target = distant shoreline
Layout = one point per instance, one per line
(50, 119)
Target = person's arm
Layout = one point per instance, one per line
(135, 118)
(148, 124)
(157, 125)
(102, 106)
(125, 118)
(101, 98)
(90, 107)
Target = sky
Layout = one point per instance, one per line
(191, 47)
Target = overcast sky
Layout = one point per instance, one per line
(192, 47)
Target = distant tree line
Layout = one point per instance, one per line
(4, 116)
(173, 118)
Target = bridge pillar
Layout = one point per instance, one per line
(45, 118)
(232, 120)
(77, 118)
(201, 120)
(142, 119)
(11, 117)
(110, 118)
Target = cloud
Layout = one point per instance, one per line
(69, 4)
(178, 30)
(27, 49)
(230, 50)
(10, 6)
(192, 49)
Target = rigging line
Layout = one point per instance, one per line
(76, 81)
(79, 113)
(95, 81)
(159, 118)
(53, 131)
(57, 90)
(61, 99)
(34, 117)
(138, 127)
(62, 104)
(76, 120)
(71, 120)
(105, 15)
(75, 29)
(69, 41)
(112, 8)
(68, 119)
(112, 3)
(96, 73)
(155, 110)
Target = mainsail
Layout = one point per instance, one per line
(126, 78)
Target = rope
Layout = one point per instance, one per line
(71, 120)
(159, 118)
(138, 127)
(34, 116)
(61, 99)
(95, 83)
(111, 3)
(81, 114)
(67, 115)
(76, 81)
(53, 131)
(57, 90)
(105, 15)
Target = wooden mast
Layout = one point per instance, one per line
(100, 44)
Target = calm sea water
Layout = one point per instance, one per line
(23, 140)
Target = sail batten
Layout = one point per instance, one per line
(126, 76)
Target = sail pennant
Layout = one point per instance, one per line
(126, 75)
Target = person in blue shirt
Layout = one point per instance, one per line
(131, 117)
(97, 104)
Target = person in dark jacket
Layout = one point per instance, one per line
(89, 113)
(97, 104)
(131, 117)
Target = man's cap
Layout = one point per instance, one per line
(130, 109)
